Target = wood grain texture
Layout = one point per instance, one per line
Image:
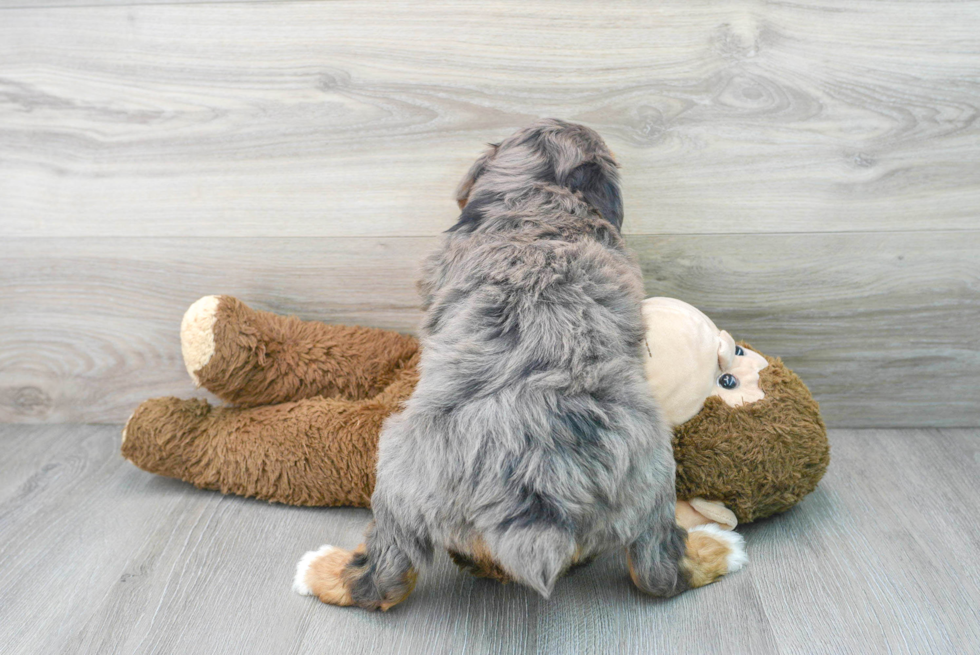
(806, 173)
(97, 556)
(358, 118)
(881, 326)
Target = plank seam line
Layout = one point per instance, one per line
(389, 237)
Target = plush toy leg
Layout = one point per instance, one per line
(314, 452)
(250, 357)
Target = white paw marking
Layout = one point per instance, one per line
(737, 558)
(303, 565)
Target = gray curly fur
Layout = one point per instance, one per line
(531, 429)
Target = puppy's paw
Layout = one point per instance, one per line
(320, 573)
(733, 545)
(197, 334)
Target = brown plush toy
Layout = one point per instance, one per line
(307, 401)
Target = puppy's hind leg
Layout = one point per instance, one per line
(655, 558)
(378, 574)
(666, 559)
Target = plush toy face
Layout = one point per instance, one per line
(756, 459)
(737, 377)
(748, 437)
(688, 360)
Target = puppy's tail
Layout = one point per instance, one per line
(535, 556)
(710, 553)
(667, 561)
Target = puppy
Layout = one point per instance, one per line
(531, 443)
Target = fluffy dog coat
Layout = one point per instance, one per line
(531, 442)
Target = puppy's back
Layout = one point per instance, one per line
(532, 355)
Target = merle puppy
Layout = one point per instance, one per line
(531, 442)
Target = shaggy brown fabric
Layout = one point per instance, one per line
(758, 459)
(311, 399)
(313, 452)
(261, 358)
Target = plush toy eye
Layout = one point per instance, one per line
(738, 351)
(728, 381)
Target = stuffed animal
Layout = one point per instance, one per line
(307, 401)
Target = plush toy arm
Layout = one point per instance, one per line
(314, 452)
(251, 357)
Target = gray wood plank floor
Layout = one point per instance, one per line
(97, 556)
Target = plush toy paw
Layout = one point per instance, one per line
(163, 436)
(126, 427)
(320, 573)
(197, 334)
(715, 512)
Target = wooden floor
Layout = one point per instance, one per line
(97, 556)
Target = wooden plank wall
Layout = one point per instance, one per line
(806, 173)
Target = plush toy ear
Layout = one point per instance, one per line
(726, 350)
(476, 170)
(599, 186)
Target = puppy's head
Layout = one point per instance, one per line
(548, 153)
